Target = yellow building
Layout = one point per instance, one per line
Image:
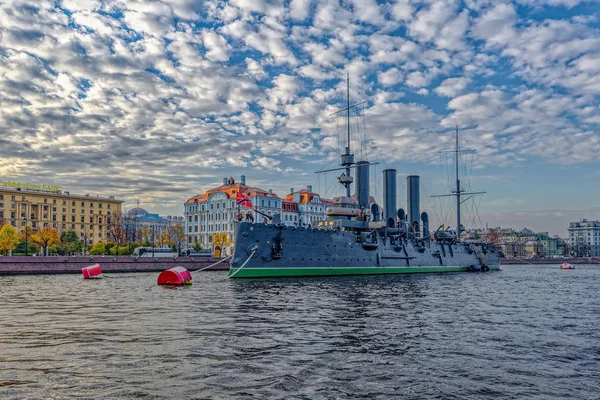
(37, 207)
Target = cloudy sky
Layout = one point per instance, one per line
(159, 100)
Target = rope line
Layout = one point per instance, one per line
(212, 265)
(244, 264)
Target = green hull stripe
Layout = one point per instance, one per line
(284, 272)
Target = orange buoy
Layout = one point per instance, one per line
(92, 271)
(175, 276)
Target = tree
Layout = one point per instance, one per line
(164, 239)
(145, 235)
(492, 236)
(222, 240)
(177, 232)
(70, 243)
(115, 232)
(8, 239)
(197, 245)
(98, 249)
(46, 238)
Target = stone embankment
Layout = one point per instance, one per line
(68, 265)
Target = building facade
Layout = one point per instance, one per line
(216, 210)
(584, 238)
(88, 215)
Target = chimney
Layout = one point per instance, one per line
(224, 181)
(291, 190)
(243, 179)
(309, 188)
(270, 192)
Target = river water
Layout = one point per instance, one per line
(525, 332)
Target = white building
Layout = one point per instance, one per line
(584, 238)
(216, 210)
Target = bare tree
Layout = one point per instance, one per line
(116, 233)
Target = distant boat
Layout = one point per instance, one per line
(566, 265)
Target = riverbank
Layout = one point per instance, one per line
(72, 265)
(557, 261)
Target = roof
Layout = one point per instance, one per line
(231, 190)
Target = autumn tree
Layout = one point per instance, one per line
(197, 245)
(177, 233)
(115, 232)
(8, 239)
(46, 238)
(146, 235)
(222, 240)
(492, 236)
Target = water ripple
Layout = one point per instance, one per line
(525, 332)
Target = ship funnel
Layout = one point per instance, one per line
(389, 195)
(414, 201)
(425, 220)
(362, 184)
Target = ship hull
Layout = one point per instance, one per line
(272, 251)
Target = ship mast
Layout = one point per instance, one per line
(456, 150)
(458, 193)
(347, 159)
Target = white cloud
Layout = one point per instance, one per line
(452, 87)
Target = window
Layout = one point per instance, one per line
(100, 205)
(54, 217)
(1, 197)
(12, 198)
(189, 229)
(196, 228)
(82, 219)
(73, 204)
(64, 202)
(82, 211)
(91, 211)
(64, 218)
(72, 218)
(45, 201)
(54, 201)
(13, 205)
(91, 220)
(108, 206)
(189, 218)
(92, 205)
(82, 204)
(64, 210)
(99, 220)
(72, 210)
(53, 209)
(1, 205)
(1, 214)
(196, 218)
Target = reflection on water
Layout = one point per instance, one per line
(524, 332)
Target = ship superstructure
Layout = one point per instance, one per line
(358, 237)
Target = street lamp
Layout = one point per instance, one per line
(26, 236)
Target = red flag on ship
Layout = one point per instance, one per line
(242, 200)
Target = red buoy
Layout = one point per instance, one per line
(175, 276)
(93, 271)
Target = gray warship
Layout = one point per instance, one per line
(359, 238)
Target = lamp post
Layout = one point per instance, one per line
(152, 241)
(26, 237)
